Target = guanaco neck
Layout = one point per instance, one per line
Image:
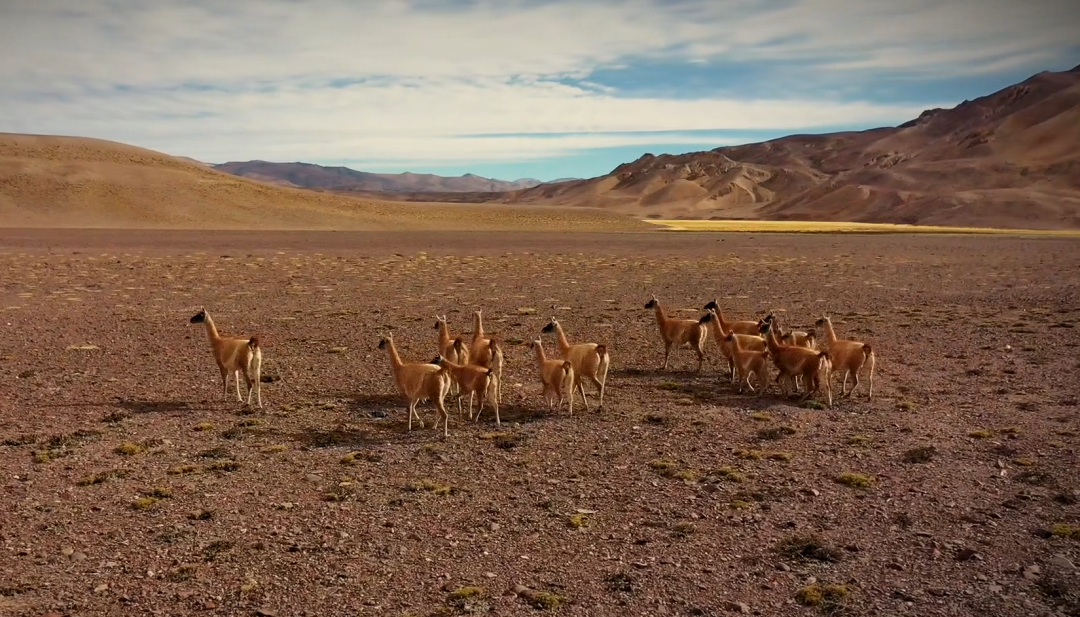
(829, 334)
(478, 326)
(541, 358)
(444, 335)
(564, 345)
(395, 359)
(660, 317)
(718, 317)
(211, 330)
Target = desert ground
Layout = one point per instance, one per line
(133, 486)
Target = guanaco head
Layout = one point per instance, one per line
(548, 329)
(438, 322)
(386, 340)
(730, 337)
(788, 338)
(437, 360)
(822, 321)
(811, 336)
(651, 303)
(712, 305)
(199, 317)
(706, 318)
(764, 328)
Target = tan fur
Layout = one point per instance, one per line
(420, 382)
(557, 377)
(749, 362)
(679, 334)
(458, 355)
(481, 351)
(813, 366)
(473, 380)
(738, 327)
(589, 361)
(235, 356)
(746, 341)
(848, 356)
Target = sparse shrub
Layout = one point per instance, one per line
(670, 386)
(1024, 462)
(204, 426)
(855, 480)
(226, 466)
(687, 475)
(102, 477)
(350, 458)
(664, 466)
(780, 456)
(200, 515)
(159, 492)
(144, 503)
(182, 573)
(825, 596)
(619, 581)
(216, 548)
(814, 404)
(1010, 430)
(981, 434)
(858, 440)
(469, 599)
(740, 504)
(129, 449)
(115, 417)
(761, 416)
(808, 548)
(183, 469)
(750, 455)
(1061, 530)
(431, 486)
(729, 473)
(578, 521)
(657, 418)
(906, 405)
(682, 530)
(775, 432)
(923, 454)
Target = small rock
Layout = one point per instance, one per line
(265, 612)
(966, 554)
(100, 588)
(489, 574)
(379, 413)
(995, 588)
(738, 607)
(894, 566)
(67, 551)
(78, 555)
(784, 567)
(494, 527)
(1032, 572)
(1062, 562)
(313, 477)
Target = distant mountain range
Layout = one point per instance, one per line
(1008, 159)
(346, 180)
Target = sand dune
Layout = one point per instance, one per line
(1010, 159)
(48, 181)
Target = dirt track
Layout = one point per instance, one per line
(675, 515)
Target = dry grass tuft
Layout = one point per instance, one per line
(855, 480)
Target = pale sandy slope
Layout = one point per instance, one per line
(50, 181)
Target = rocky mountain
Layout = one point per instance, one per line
(1009, 159)
(344, 179)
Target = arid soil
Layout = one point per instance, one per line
(132, 487)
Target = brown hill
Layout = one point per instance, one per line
(49, 181)
(342, 179)
(1010, 159)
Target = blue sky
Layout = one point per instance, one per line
(503, 88)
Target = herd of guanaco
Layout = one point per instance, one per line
(475, 369)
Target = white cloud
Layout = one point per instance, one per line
(491, 66)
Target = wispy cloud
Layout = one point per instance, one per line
(419, 83)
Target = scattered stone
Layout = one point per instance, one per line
(1062, 561)
(379, 413)
(100, 588)
(1032, 572)
(966, 554)
(265, 612)
(738, 607)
